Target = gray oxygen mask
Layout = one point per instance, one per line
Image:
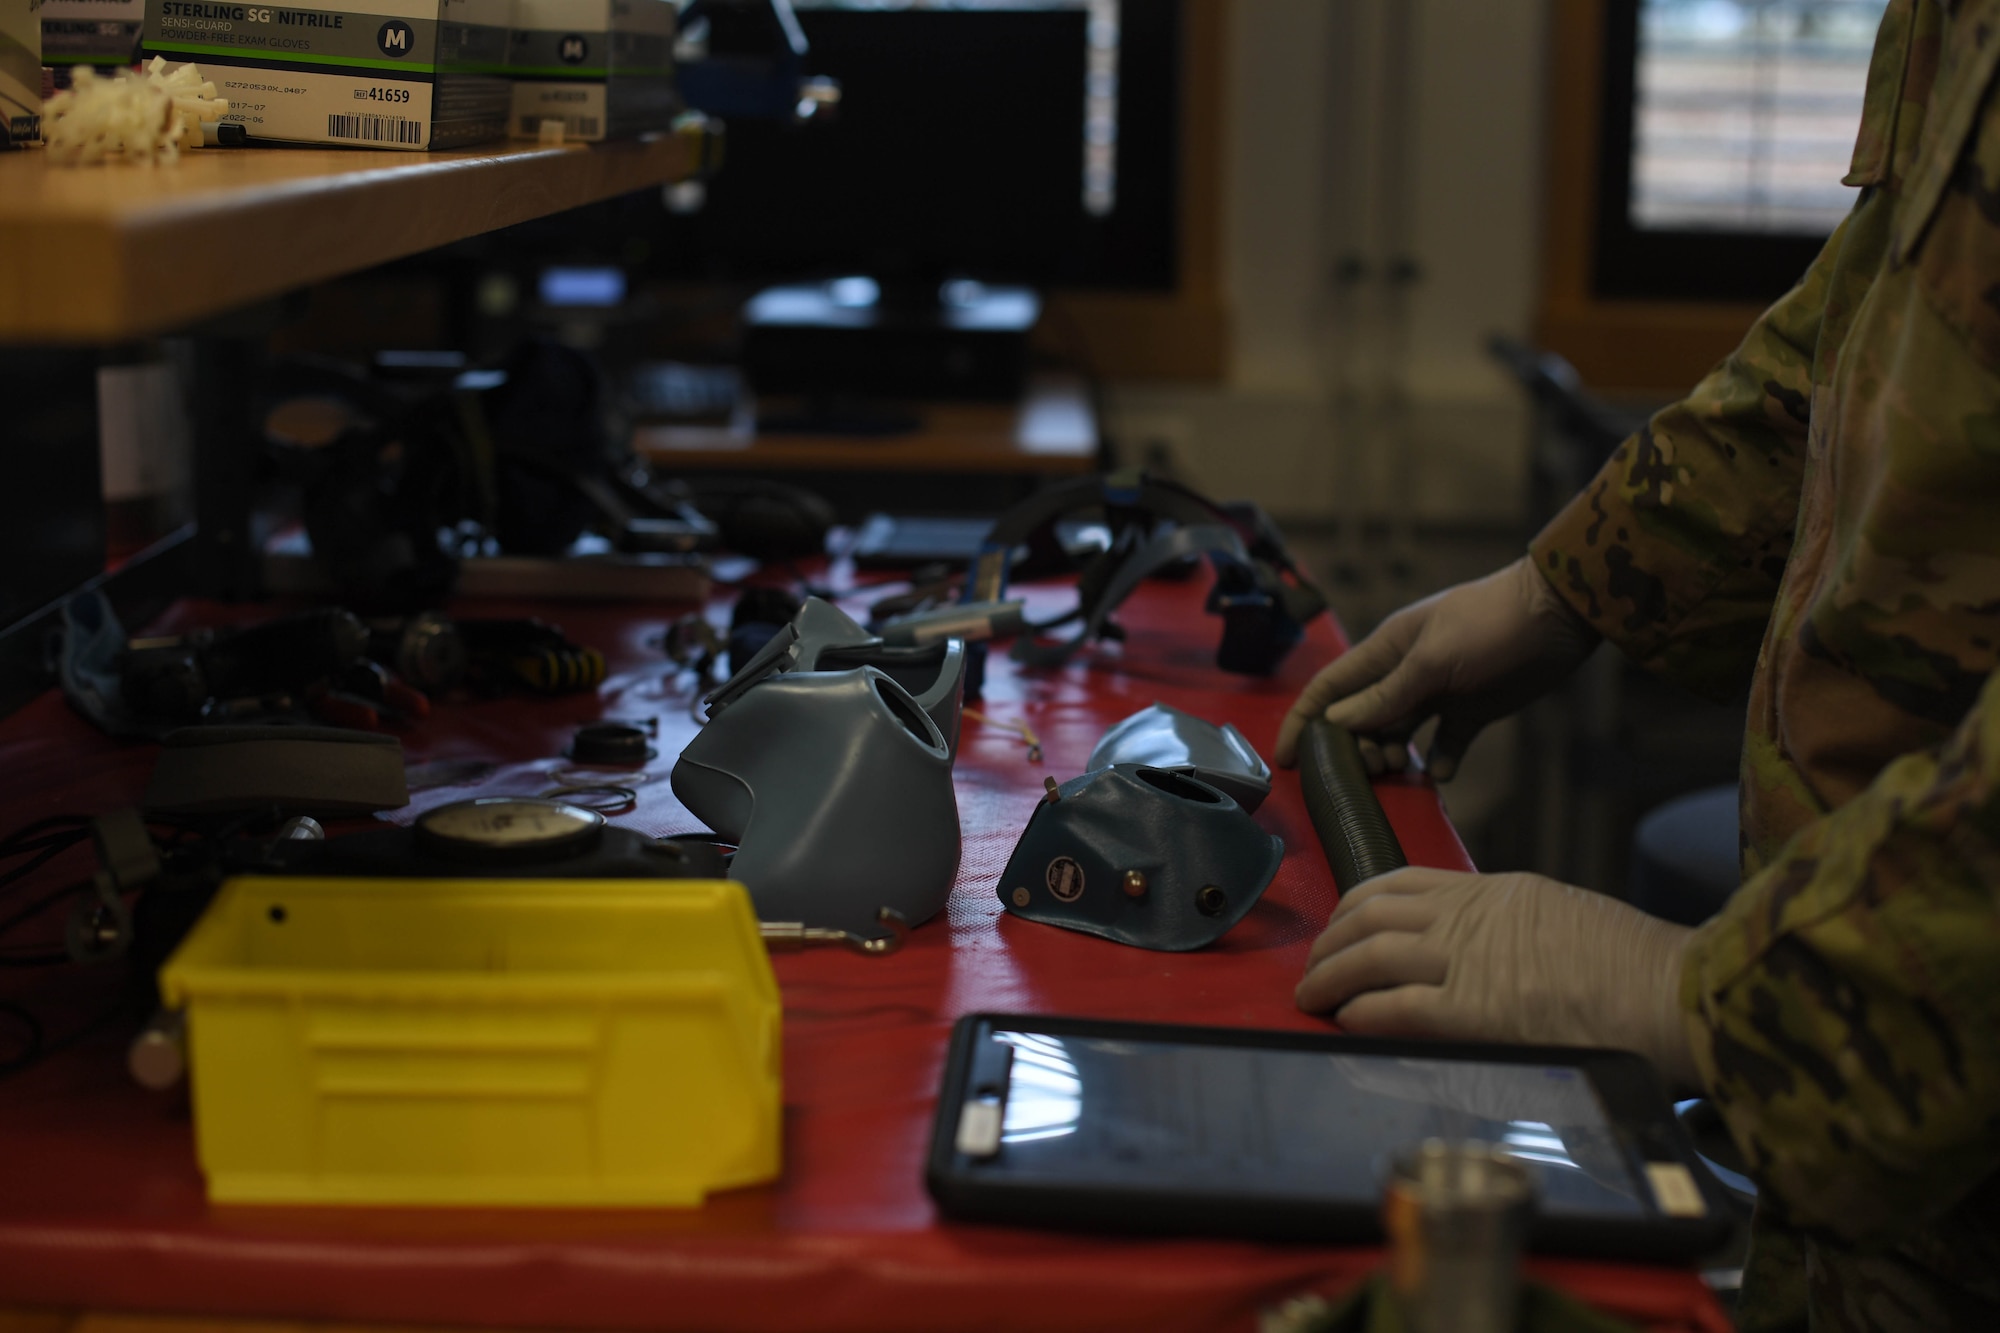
(1164, 737)
(835, 788)
(1144, 856)
(822, 637)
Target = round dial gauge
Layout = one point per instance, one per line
(501, 826)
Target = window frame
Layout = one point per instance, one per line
(1646, 345)
(1714, 264)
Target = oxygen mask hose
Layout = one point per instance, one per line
(1340, 800)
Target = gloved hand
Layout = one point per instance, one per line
(1468, 655)
(1518, 958)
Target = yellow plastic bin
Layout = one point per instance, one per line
(427, 1041)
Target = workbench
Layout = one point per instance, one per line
(104, 1225)
(1051, 432)
(970, 456)
(101, 1200)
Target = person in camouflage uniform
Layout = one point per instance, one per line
(1822, 514)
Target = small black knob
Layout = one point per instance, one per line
(611, 744)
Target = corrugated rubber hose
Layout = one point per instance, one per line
(1353, 831)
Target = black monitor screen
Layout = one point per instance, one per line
(1027, 142)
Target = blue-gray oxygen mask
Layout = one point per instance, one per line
(835, 788)
(1144, 856)
(822, 637)
(1165, 737)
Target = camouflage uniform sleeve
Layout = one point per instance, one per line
(1674, 550)
(1842, 1008)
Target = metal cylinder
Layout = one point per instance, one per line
(1457, 1216)
(157, 1057)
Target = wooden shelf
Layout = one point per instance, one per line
(98, 254)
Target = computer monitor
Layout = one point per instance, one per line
(1011, 140)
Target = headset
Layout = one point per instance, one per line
(1264, 601)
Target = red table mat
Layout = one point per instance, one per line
(101, 1203)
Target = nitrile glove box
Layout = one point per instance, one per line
(362, 74)
(603, 68)
(20, 72)
(104, 34)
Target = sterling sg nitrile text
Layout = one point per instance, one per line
(103, 34)
(382, 73)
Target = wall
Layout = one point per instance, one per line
(1272, 433)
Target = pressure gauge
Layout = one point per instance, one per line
(508, 828)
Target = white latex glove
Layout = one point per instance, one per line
(1468, 656)
(1516, 958)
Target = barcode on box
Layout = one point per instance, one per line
(586, 127)
(375, 129)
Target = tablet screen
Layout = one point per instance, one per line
(1303, 1124)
